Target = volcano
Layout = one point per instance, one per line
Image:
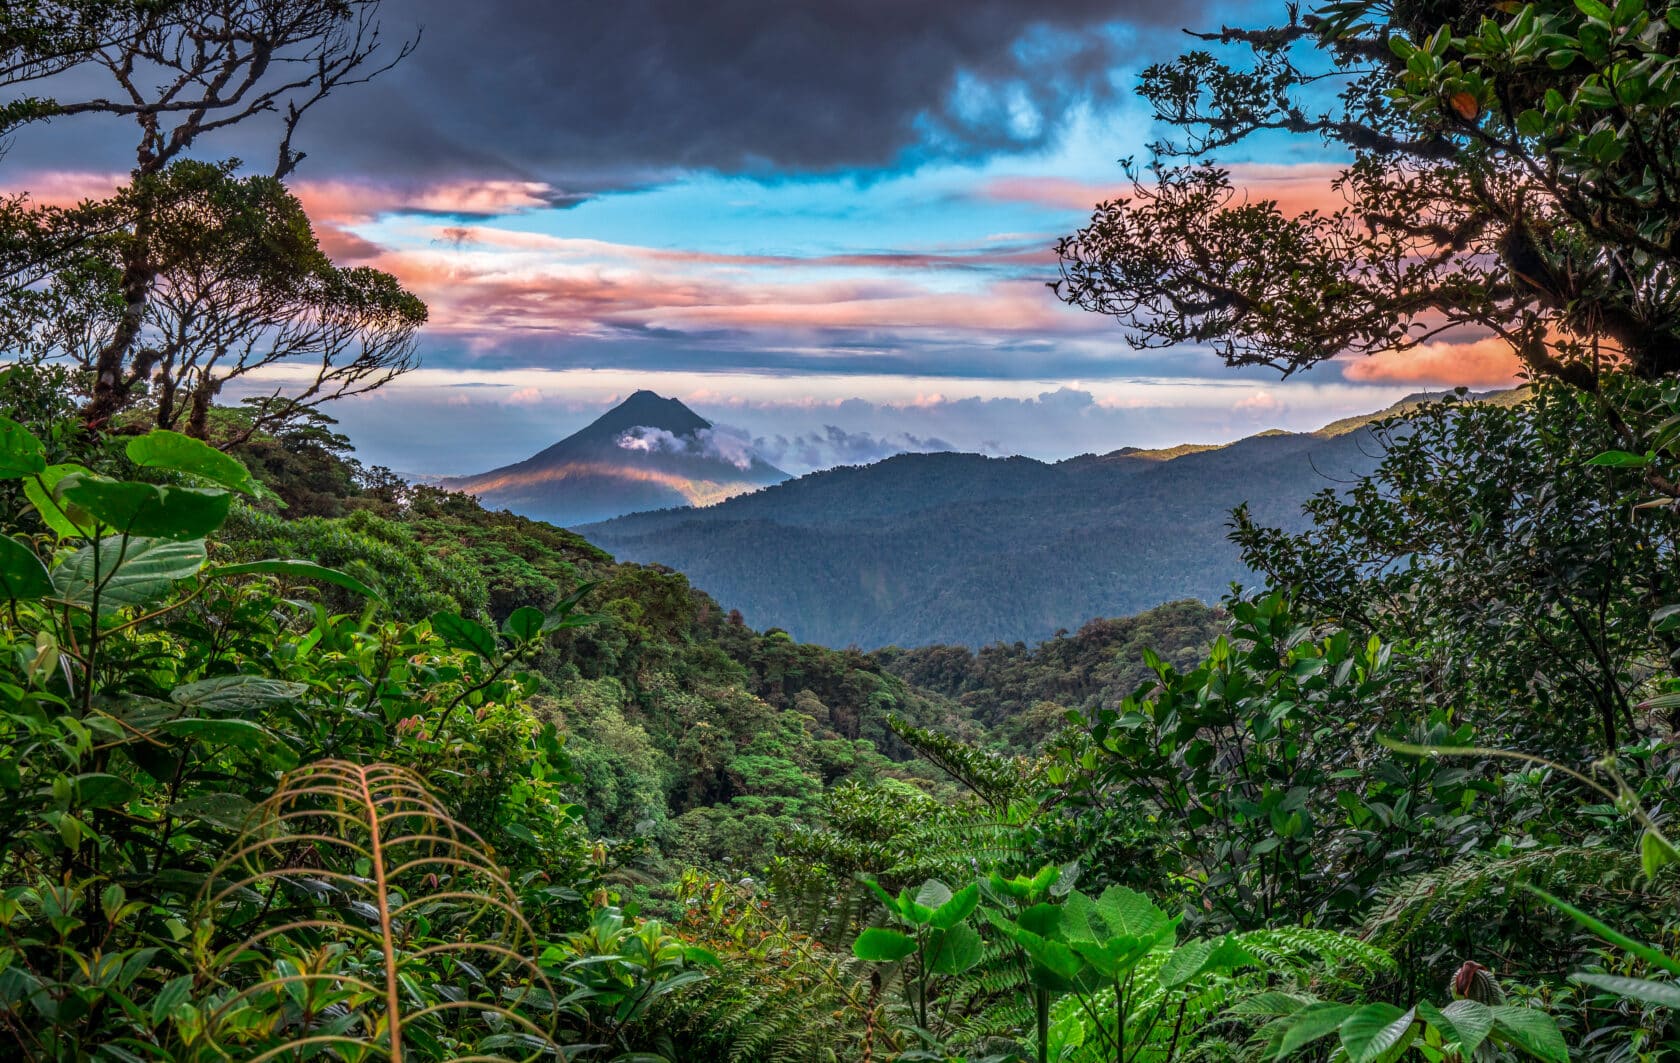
(648, 452)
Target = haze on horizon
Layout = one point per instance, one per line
(827, 227)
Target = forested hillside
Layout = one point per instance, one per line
(966, 549)
(1023, 694)
(693, 734)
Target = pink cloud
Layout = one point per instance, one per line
(485, 237)
(349, 202)
(1294, 187)
(63, 188)
(1487, 362)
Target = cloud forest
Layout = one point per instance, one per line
(975, 607)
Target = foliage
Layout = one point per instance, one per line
(1106, 976)
(190, 276)
(1507, 176)
(1491, 542)
(196, 761)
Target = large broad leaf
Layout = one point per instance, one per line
(148, 509)
(97, 789)
(955, 950)
(163, 449)
(1466, 1023)
(1186, 962)
(20, 453)
(1311, 1023)
(1377, 1033)
(1113, 957)
(464, 634)
(879, 945)
(1471, 1020)
(959, 906)
(142, 573)
(236, 734)
(301, 570)
(1531, 1030)
(1077, 914)
(1130, 912)
(39, 490)
(932, 894)
(228, 811)
(236, 695)
(22, 575)
(523, 624)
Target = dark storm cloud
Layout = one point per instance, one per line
(593, 94)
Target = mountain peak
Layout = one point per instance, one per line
(648, 452)
(643, 409)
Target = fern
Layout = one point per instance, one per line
(1446, 894)
(355, 914)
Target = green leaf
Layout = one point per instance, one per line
(523, 624)
(954, 950)
(932, 894)
(101, 790)
(1186, 962)
(39, 491)
(21, 454)
(224, 810)
(236, 694)
(237, 734)
(464, 634)
(1129, 912)
(882, 895)
(163, 449)
(146, 570)
(1664, 994)
(1196, 958)
(168, 997)
(300, 570)
(1377, 1033)
(1655, 853)
(958, 907)
(1465, 1022)
(879, 945)
(1531, 1030)
(148, 509)
(1619, 459)
(1311, 1023)
(22, 575)
(1115, 957)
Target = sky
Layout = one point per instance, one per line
(826, 225)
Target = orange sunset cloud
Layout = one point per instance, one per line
(1487, 362)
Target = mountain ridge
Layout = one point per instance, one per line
(968, 549)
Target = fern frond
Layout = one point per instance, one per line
(1446, 894)
(355, 913)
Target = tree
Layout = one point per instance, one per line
(239, 285)
(1494, 547)
(182, 69)
(1516, 176)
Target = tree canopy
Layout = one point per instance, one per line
(1510, 172)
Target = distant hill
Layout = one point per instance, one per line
(970, 550)
(645, 453)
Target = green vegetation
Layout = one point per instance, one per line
(298, 761)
